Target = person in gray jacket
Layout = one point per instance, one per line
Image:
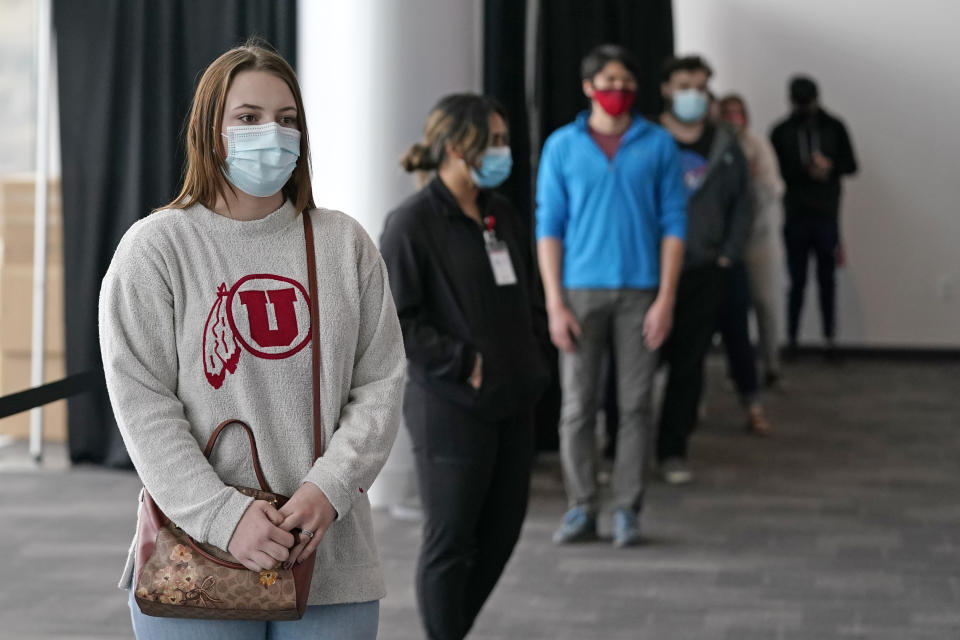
(716, 176)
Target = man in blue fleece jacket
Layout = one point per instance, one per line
(611, 221)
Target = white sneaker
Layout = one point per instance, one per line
(676, 471)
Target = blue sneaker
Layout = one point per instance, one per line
(578, 525)
(626, 529)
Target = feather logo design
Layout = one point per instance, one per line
(265, 315)
(220, 349)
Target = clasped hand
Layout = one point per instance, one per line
(820, 167)
(264, 537)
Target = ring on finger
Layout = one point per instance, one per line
(307, 533)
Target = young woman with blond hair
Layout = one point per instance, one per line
(204, 317)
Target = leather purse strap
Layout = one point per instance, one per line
(253, 449)
(314, 332)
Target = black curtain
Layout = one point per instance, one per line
(127, 70)
(562, 33)
(568, 29)
(504, 49)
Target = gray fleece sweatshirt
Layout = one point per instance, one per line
(205, 318)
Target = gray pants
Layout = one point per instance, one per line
(604, 314)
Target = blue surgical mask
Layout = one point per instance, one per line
(690, 105)
(261, 158)
(495, 169)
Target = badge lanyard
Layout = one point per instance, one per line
(499, 254)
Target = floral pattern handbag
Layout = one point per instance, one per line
(177, 577)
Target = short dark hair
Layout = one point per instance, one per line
(685, 63)
(600, 56)
(803, 90)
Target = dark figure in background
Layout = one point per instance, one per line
(814, 151)
(719, 218)
(461, 269)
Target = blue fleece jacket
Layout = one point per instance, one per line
(610, 214)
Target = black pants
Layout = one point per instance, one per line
(474, 478)
(819, 235)
(734, 328)
(699, 293)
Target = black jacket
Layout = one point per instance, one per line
(451, 308)
(794, 139)
(719, 214)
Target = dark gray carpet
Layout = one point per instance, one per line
(846, 524)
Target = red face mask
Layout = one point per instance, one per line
(616, 102)
(736, 119)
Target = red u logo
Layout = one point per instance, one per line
(283, 330)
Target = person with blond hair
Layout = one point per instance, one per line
(760, 255)
(204, 317)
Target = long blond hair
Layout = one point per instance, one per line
(203, 176)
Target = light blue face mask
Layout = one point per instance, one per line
(261, 158)
(690, 105)
(495, 169)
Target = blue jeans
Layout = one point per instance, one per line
(356, 621)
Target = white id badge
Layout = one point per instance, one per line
(503, 272)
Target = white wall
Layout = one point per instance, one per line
(888, 68)
(370, 70)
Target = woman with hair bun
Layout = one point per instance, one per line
(461, 272)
